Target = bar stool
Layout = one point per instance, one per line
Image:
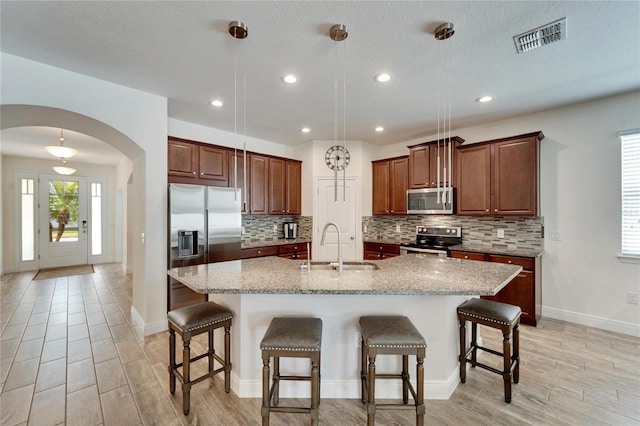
(395, 335)
(495, 315)
(188, 322)
(290, 338)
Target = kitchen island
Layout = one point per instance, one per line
(425, 289)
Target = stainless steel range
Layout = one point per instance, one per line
(434, 240)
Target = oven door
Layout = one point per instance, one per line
(424, 251)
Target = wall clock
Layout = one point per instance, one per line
(337, 157)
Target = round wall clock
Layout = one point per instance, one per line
(337, 157)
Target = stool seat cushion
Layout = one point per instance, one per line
(197, 316)
(390, 331)
(488, 310)
(295, 334)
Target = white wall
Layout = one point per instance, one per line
(11, 164)
(133, 122)
(582, 279)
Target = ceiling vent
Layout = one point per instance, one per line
(541, 36)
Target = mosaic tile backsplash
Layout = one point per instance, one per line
(261, 227)
(519, 232)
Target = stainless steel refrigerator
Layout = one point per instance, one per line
(204, 226)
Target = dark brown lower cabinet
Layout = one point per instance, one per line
(376, 251)
(525, 290)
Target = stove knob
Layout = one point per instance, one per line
(448, 231)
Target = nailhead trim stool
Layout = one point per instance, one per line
(496, 315)
(290, 338)
(394, 335)
(188, 322)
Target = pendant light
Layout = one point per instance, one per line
(239, 30)
(339, 33)
(444, 32)
(61, 151)
(64, 170)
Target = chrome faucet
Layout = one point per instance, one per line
(324, 234)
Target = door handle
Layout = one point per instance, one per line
(353, 238)
(84, 226)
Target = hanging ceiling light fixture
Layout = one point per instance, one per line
(337, 157)
(239, 30)
(64, 170)
(61, 151)
(444, 32)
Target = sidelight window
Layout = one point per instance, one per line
(630, 155)
(27, 219)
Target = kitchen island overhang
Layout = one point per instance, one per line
(425, 289)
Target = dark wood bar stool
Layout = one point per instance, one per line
(495, 315)
(290, 338)
(394, 335)
(188, 322)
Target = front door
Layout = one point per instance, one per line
(343, 212)
(63, 221)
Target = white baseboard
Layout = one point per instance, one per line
(346, 389)
(592, 321)
(148, 328)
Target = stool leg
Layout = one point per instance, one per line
(363, 373)
(405, 379)
(211, 351)
(172, 361)
(186, 385)
(315, 391)
(276, 380)
(474, 343)
(516, 353)
(371, 389)
(420, 391)
(506, 372)
(265, 389)
(463, 351)
(227, 359)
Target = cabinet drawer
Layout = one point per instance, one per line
(382, 248)
(525, 262)
(248, 253)
(292, 248)
(467, 255)
(377, 255)
(296, 255)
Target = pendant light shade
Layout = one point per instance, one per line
(64, 170)
(61, 151)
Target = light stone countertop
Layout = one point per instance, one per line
(412, 274)
(522, 252)
(278, 242)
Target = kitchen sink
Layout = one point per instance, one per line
(333, 266)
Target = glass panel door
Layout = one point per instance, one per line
(63, 221)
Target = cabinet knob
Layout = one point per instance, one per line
(487, 210)
(259, 252)
(194, 173)
(466, 257)
(382, 256)
(391, 211)
(295, 247)
(201, 173)
(509, 261)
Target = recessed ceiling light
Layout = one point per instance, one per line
(484, 99)
(305, 130)
(216, 103)
(382, 77)
(379, 129)
(289, 78)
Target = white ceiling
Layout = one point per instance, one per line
(182, 50)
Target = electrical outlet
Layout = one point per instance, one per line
(275, 228)
(500, 233)
(366, 229)
(632, 298)
(398, 230)
(356, 340)
(244, 230)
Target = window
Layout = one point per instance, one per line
(27, 219)
(96, 219)
(630, 143)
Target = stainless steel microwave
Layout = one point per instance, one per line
(430, 201)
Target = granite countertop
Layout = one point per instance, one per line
(278, 242)
(412, 274)
(396, 241)
(522, 252)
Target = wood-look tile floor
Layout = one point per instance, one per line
(69, 355)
